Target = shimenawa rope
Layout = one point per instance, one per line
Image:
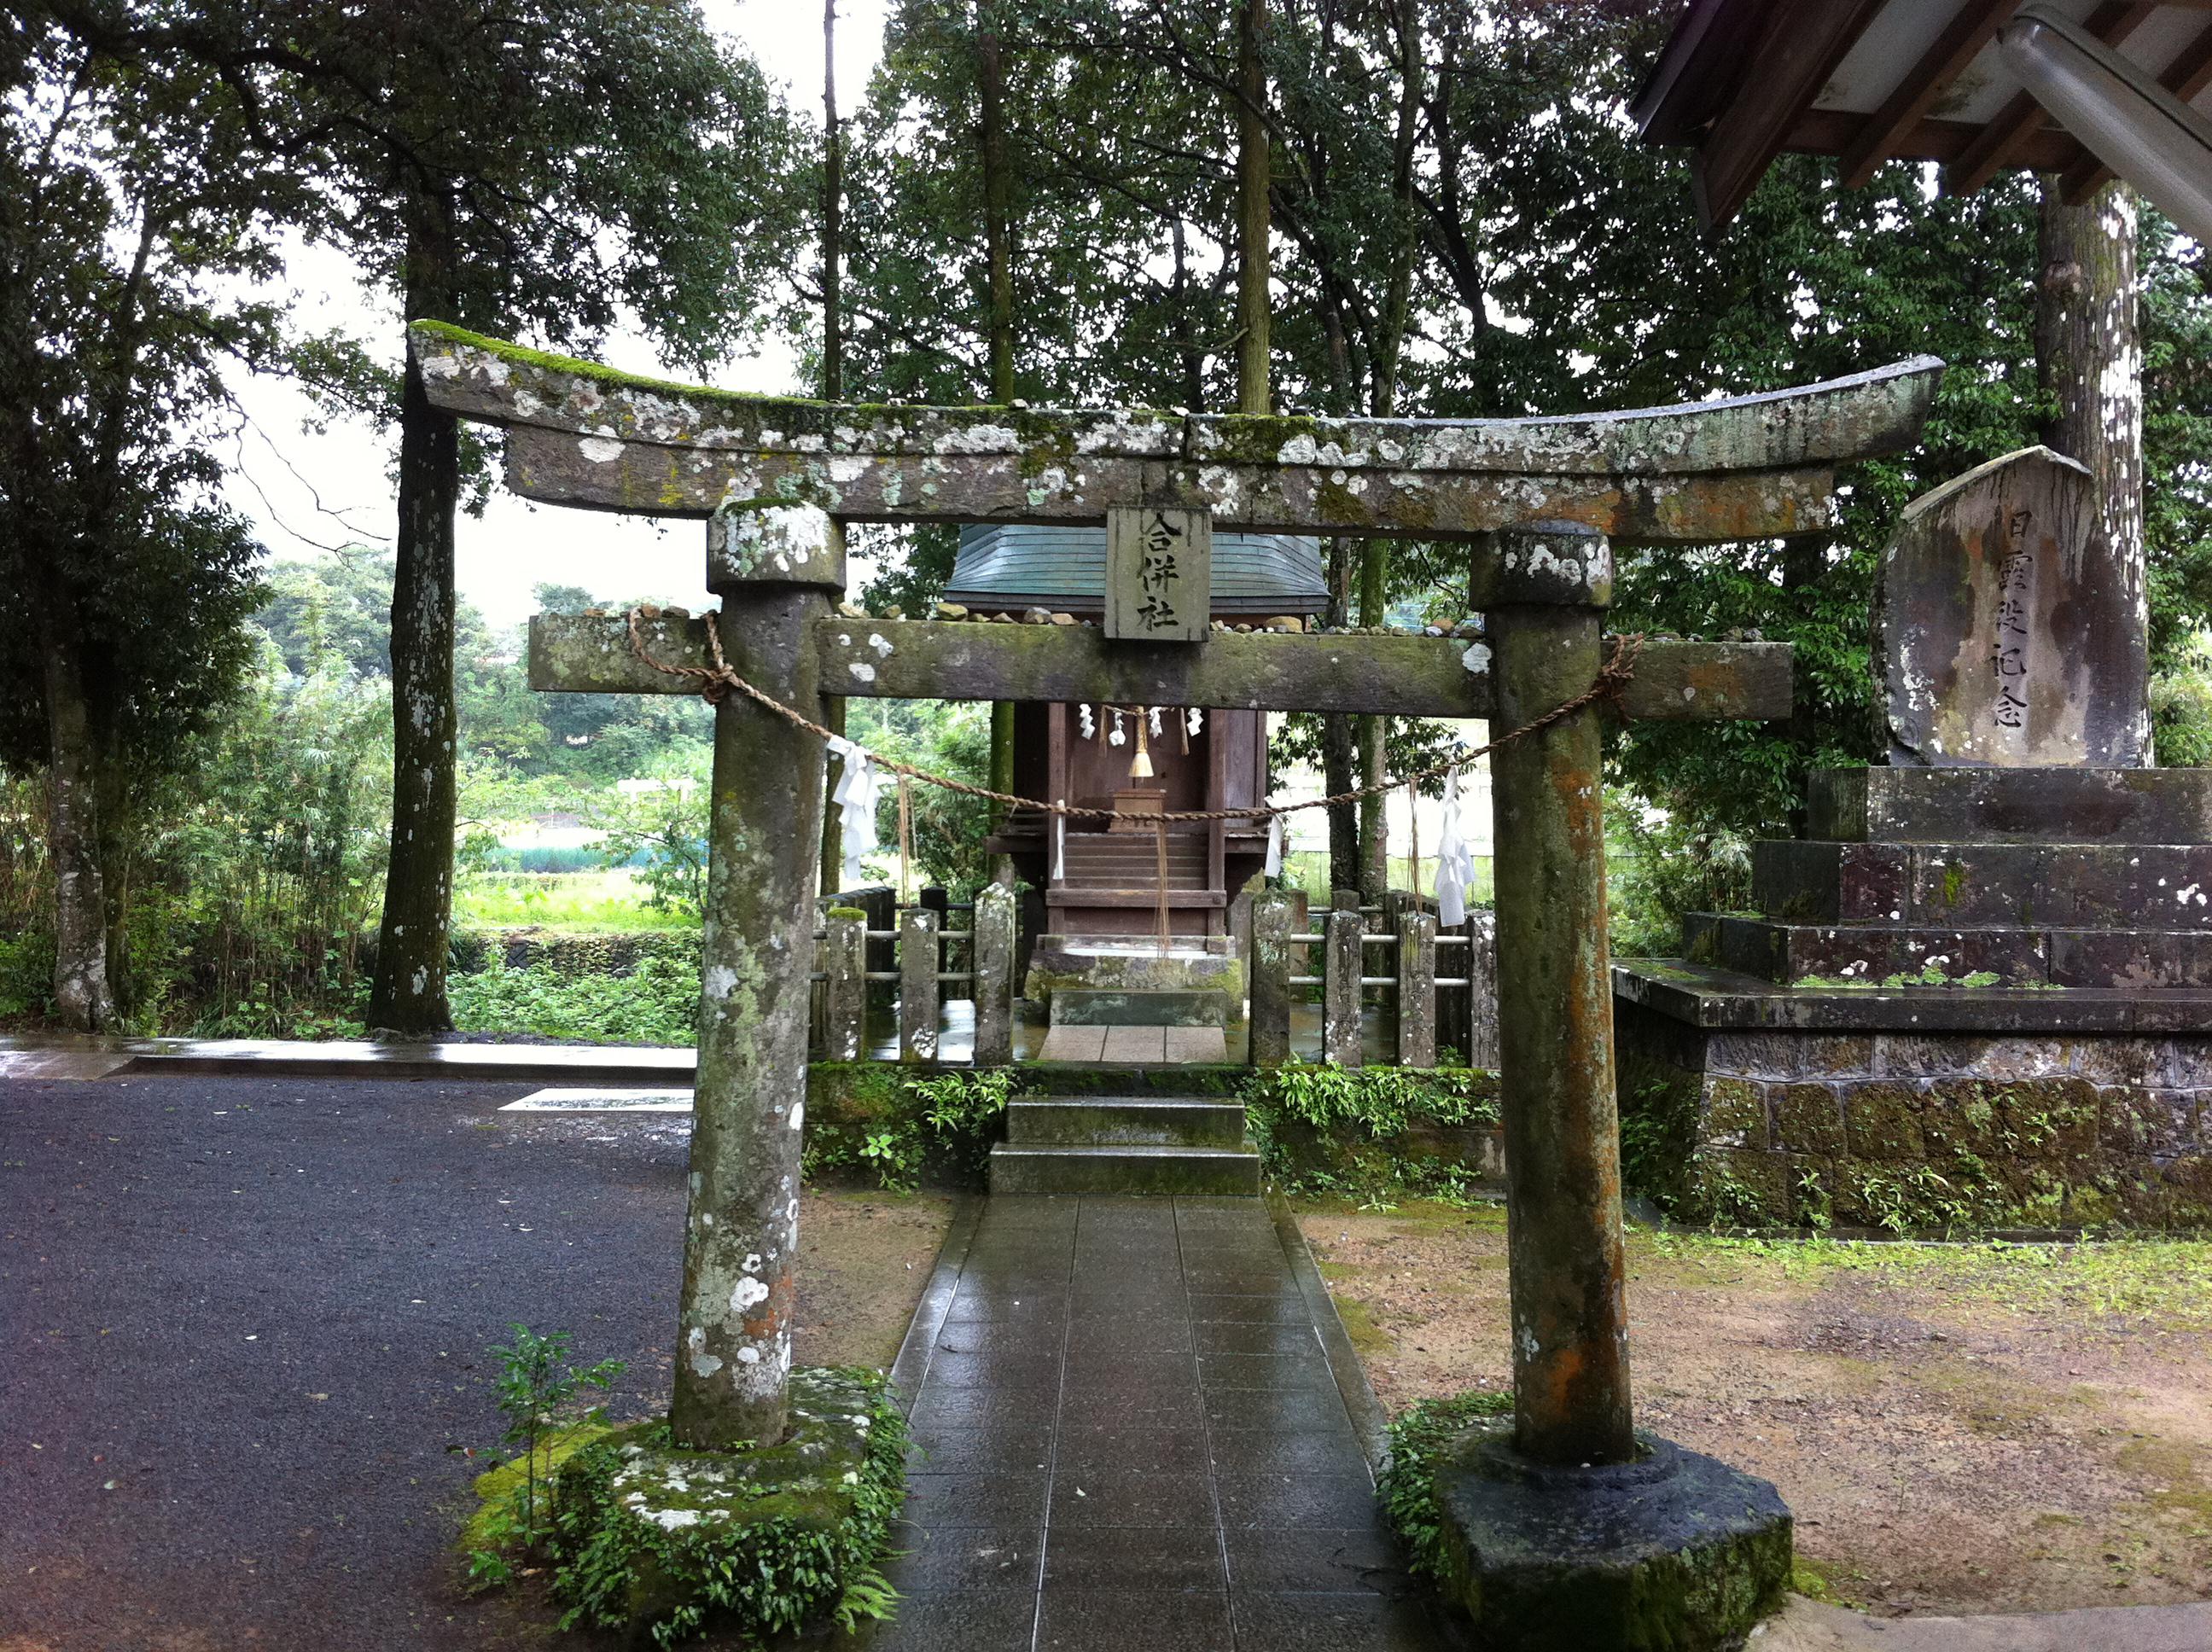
(717, 679)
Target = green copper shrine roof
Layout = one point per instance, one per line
(1009, 566)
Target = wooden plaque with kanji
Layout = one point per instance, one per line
(1159, 575)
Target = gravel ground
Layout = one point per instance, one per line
(243, 1325)
(1957, 1431)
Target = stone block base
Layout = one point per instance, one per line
(1677, 1552)
(1141, 1007)
(1134, 965)
(2015, 1115)
(653, 1533)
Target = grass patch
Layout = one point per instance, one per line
(1367, 1337)
(2165, 1280)
(657, 1002)
(1836, 1586)
(610, 900)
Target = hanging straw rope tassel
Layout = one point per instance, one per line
(1160, 858)
(1413, 830)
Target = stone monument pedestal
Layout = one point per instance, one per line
(1974, 997)
(1980, 991)
(1673, 1552)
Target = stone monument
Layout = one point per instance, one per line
(1998, 634)
(1980, 990)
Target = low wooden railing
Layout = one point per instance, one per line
(1434, 1010)
(864, 960)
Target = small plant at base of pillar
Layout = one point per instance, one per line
(537, 1392)
(756, 1542)
(1406, 1489)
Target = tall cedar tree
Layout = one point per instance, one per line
(538, 169)
(1468, 226)
(131, 199)
(534, 169)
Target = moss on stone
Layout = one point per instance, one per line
(1194, 1078)
(615, 378)
(665, 1542)
(497, 1489)
(1735, 1113)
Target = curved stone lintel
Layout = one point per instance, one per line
(584, 434)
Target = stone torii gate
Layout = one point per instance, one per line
(1538, 502)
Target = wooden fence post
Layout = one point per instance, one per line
(1271, 979)
(845, 994)
(990, 954)
(1417, 989)
(1339, 1026)
(1482, 989)
(880, 902)
(917, 950)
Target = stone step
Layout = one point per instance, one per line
(2061, 885)
(1124, 1169)
(1873, 954)
(1141, 1007)
(1905, 804)
(1126, 1121)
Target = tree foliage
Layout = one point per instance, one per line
(1467, 224)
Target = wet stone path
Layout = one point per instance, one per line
(1129, 1434)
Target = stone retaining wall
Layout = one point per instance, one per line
(1916, 1130)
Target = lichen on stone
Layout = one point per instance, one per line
(666, 1542)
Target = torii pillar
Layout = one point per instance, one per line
(777, 571)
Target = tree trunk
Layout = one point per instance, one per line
(1804, 564)
(1188, 351)
(1338, 744)
(118, 864)
(2089, 364)
(998, 259)
(83, 1000)
(1374, 816)
(833, 388)
(833, 215)
(998, 201)
(409, 993)
(1252, 216)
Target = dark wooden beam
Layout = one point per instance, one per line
(1961, 41)
(1831, 131)
(1999, 147)
(1695, 74)
(925, 659)
(2190, 73)
(1804, 43)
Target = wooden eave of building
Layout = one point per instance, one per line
(1871, 81)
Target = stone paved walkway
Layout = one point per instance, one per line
(1129, 1434)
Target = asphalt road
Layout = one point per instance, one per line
(243, 1325)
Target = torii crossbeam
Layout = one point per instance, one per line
(1537, 501)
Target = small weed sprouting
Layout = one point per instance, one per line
(537, 1391)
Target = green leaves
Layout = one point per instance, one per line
(1420, 1440)
(534, 1389)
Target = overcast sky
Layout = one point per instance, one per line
(303, 490)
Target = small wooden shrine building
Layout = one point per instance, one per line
(1100, 882)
